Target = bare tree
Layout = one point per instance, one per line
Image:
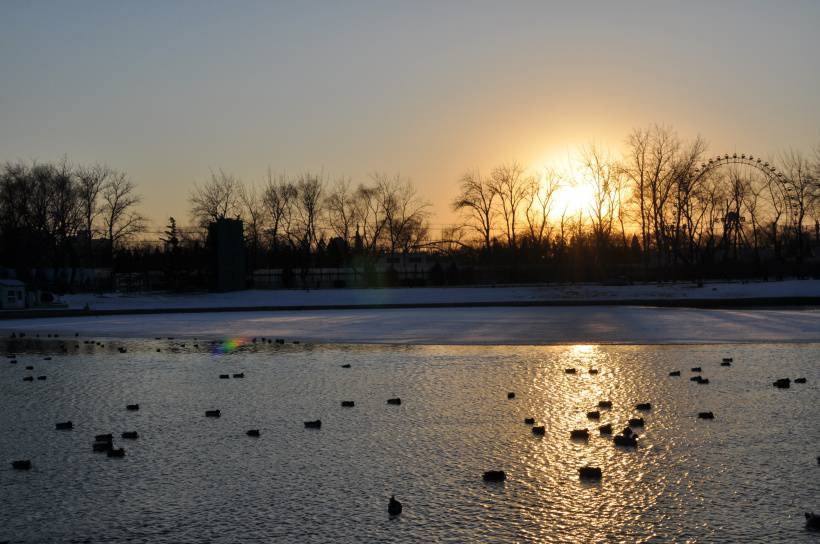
(217, 199)
(476, 201)
(90, 181)
(405, 214)
(636, 168)
(120, 218)
(341, 209)
(372, 216)
(279, 199)
(309, 189)
(601, 173)
(802, 193)
(253, 212)
(509, 183)
(538, 206)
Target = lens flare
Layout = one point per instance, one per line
(228, 346)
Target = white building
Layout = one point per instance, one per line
(12, 294)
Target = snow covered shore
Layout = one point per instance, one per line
(446, 295)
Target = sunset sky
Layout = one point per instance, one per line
(169, 90)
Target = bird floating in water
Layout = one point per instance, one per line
(495, 476)
(394, 507)
(590, 473)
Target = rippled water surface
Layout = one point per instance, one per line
(747, 476)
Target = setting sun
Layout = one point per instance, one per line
(571, 198)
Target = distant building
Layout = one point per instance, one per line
(227, 247)
(12, 294)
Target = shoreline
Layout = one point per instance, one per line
(735, 303)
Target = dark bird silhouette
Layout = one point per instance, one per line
(539, 431)
(636, 422)
(119, 452)
(812, 521)
(23, 464)
(579, 434)
(213, 413)
(394, 507)
(605, 429)
(594, 415)
(313, 424)
(132, 407)
(570, 371)
(130, 435)
(395, 401)
(590, 473)
(253, 432)
(782, 383)
(706, 415)
(104, 437)
(643, 406)
(627, 441)
(348, 404)
(696, 369)
(800, 380)
(605, 404)
(529, 420)
(239, 375)
(64, 426)
(346, 366)
(510, 395)
(495, 476)
(224, 376)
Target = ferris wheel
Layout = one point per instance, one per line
(779, 182)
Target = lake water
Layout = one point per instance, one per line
(746, 476)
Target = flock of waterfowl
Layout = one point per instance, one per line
(628, 438)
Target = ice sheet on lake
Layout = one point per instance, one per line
(539, 325)
(576, 292)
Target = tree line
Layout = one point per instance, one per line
(662, 206)
(60, 215)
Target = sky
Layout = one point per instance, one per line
(169, 91)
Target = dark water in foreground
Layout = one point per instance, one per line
(747, 476)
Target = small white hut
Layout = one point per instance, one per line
(12, 294)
